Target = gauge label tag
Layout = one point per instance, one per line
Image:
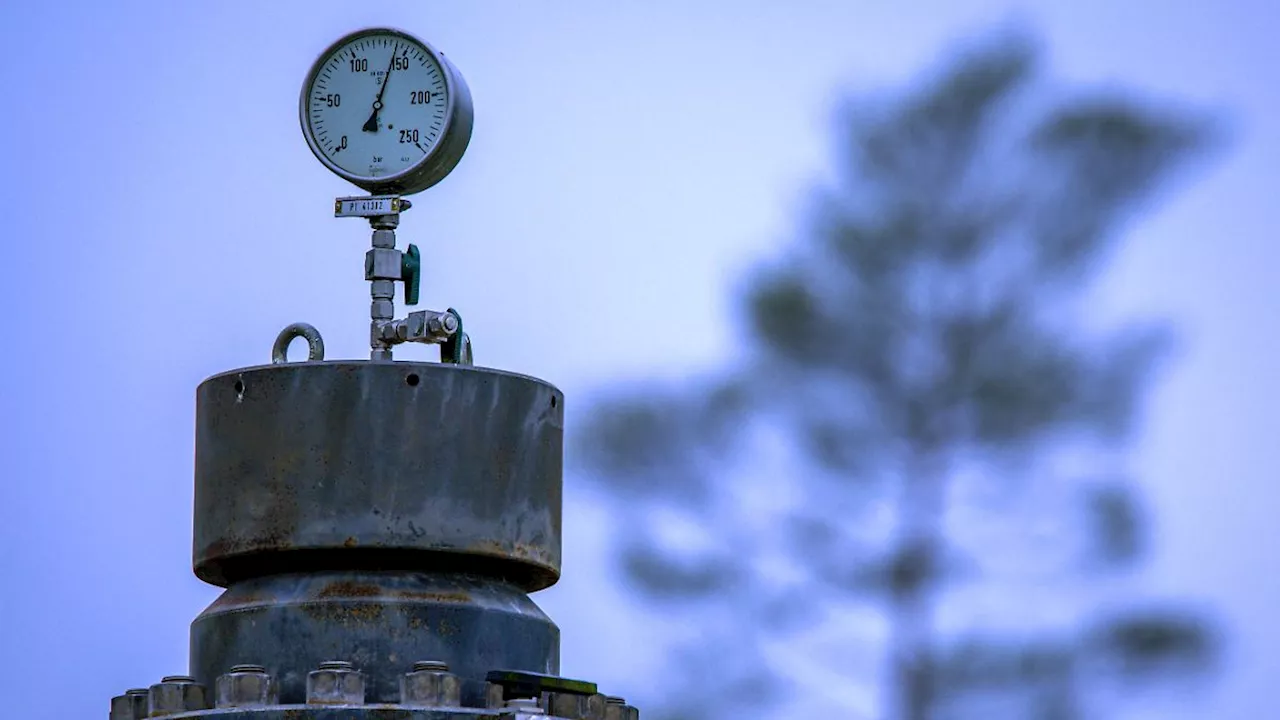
(366, 206)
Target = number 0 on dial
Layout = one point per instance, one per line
(386, 112)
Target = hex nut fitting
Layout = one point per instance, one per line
(494, 696)
(337, 682)
(382, 264)
(139, 700)
(617, 709)
(381, 309)
(430, 684)
(175, 694)
(246, 686)
(132, 705)
(573, 706)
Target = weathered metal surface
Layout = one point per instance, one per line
(381, 622)
(413, 466)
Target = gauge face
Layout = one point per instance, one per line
(383, 110)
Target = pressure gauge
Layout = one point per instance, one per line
(386, 112)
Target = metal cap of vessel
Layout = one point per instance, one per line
(390, 466)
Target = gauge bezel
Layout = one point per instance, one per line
(431, 168)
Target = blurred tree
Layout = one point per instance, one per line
(917, 372)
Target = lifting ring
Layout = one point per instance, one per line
(315, 343)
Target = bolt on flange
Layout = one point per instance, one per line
(617, 708)
(336, 682)
(246, 686)
(430, 684)
(175, 694)
(132, 705)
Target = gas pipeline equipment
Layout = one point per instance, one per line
(377, 524)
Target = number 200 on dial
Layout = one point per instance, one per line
(386, 112)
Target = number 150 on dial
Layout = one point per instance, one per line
(386, 112)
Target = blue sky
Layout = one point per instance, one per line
(164, 219)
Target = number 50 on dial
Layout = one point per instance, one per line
(386, 112)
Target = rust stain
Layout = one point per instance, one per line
(441, 597)
(348, 589)
(365, 612)
(345, 613)
(519, 550)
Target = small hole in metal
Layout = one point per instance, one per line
(239, 387)
(553, 401)
(412, 380)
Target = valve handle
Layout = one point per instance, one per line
(411, 273)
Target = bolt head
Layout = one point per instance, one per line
(139, 699)
(132, 705)
(175, 694)
(335, 683)
(596, 705)
(121, 708)
(617, 709)
(430, 687)
(493, 696)
(568, 705)
(246, 686)
(578, 707)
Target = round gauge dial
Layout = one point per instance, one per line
(385, 111)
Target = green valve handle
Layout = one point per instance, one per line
(457, 349)
(411, 274)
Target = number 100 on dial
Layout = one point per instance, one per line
(386, 112)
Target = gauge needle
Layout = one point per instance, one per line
(371, 125)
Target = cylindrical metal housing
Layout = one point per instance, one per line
(381, 622)
(379, 514)
(417, 466)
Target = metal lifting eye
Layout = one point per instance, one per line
(315, 343)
